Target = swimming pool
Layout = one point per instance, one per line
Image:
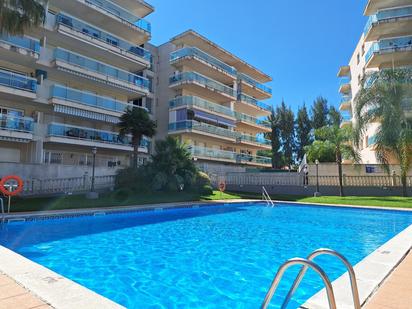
(222, 256)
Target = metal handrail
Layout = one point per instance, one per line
(2, 206)
(266, 197)
(314, 254)
(306, 263)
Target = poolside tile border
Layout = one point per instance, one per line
(371, 272)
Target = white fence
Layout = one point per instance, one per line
(66, 185)
(296, 179)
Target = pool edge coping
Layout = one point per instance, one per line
(371, 272)
(48, 214)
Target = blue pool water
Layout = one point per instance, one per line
(211, 257)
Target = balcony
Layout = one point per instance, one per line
(17, 49)
(346, 119)
(254, 88)
(80, 136)
(344, 71)
(202, 129)
(250, 140)
(99, 44)
(374, 6)
(211, 154)
(206, 87)
(346, 103)
(203, 63)
(253, 123)
(249, 105)
(389, 23)
(344, 85)
(14, 85)
(385, 53)
(91, 71)
(107, 15)
(191, 101)
(88, 105)
(16, 128)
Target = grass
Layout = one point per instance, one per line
(124, 199)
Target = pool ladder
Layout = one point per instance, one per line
(266, 197)
(308, 263)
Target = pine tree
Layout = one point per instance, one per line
(303, 132)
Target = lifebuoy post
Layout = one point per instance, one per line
(11, 185)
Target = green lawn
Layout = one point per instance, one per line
(111, 200)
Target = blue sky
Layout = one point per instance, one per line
(300, 43)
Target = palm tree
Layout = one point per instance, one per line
(387, 101)
(136, 121)
(17, 16)
(339, 141)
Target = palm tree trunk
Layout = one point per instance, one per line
(136, 144)
(339, 162)
(403, 180)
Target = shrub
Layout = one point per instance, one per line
(159, 182)
(134, 179)
(202, 179)
(206, 190)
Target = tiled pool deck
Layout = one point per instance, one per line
(394, 291)
(13, 295)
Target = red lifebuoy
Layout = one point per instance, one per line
(222, 186)
(5, 190)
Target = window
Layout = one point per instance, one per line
(149, 102)
(358, 58)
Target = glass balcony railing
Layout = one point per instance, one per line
(245, 158)
(17, 81)
(212, 153)
(346, 117)
(253, 139)
(63, 130)
(388, 45)
(388, 14)
(101, 68)
(102, 36)
(21, 42)
(346, 98)
(87, 98)
(254, 83)
(218, 154)
(372, 140)
(195, 52)
(197, 78)
(121, 13)
(345, 80)
(252, 120)
(248, 99)
(200, 126)
(191, 101)
(16, 123)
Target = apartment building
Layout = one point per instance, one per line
(64, 85)
(212, 101)
(386, 43)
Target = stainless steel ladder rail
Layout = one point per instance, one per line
(308, 264)
(266, 197)
(3, 214)
(311, 257)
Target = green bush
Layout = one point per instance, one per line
(159, 182)
(134, 179)
(202, 179)
(206, 190)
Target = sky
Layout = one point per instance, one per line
(300, 43)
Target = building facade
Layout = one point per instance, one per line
(386, 43)
(64, 85)
(212, 101)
